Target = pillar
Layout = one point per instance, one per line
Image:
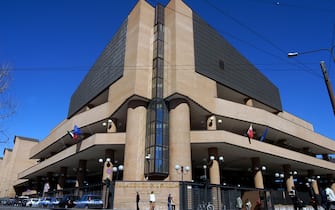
(81, 171)
(314, 182)
(50, 180)
(288, 177)
(214, 168)
(61, 181)
(47, 185)
(211, 123)
(135, 141)
(257, 169)
(40, 185)
(179, 139)
(325, 157)
(109, 153)
(214, 176)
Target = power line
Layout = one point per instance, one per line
(257, 34)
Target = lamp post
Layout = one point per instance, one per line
(221, 161)
(117, 170)
(323, 69)
(330, 50)
(220, 164)
(107, 176)
(280, 176)
(147, 157)
(183, 169)
(205, 172)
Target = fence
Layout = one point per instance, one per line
(195, 196)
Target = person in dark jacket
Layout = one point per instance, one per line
(137, 201)
(312, 196)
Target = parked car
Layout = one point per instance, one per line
(44, 202)
(89, 201)
(21, 201)
(54, 201)
(33, 202)
(7, 201)
(67, 201)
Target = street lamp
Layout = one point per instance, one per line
(205, 172)
(324, 70)
(280, 176)
(330, 50)
(183, 169)
(147, 157)
(117, 170)
(107, 176)
(220, 161)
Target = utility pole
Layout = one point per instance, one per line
(328, 84)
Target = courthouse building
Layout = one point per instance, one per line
(170, 100)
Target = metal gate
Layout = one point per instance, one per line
(202, 196)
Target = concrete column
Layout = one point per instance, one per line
(48, 184)
(62, 178)
(135, 141)
(179, 139)
(214, 176)
(214, 168)
(81, 172)
(50, 180)
(314, 183)
(257, 169)
(288, 177)
(211, 123)
(325, 157)
(40, 184)
(61, 181)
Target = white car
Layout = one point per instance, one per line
(33, 202)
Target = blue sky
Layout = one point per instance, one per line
(52, 44)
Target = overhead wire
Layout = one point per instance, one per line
(293, 62)
(224, 32)
(259, 35)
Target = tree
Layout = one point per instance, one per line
(7, 104)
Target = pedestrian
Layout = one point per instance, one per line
(239, 203)
(169, 202)
(294, 198)
(173, 203)
(323, 198)
(137, 201)
(330, 199)
(152, 200)
(312, 196)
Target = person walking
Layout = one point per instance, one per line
(137, 201)
(312, 196)
(294, 197)
(330, 199)
(152, 200)
(239, 203)
(169, 202)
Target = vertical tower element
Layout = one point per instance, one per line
(157, 134)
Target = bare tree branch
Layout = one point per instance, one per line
(7, 104)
